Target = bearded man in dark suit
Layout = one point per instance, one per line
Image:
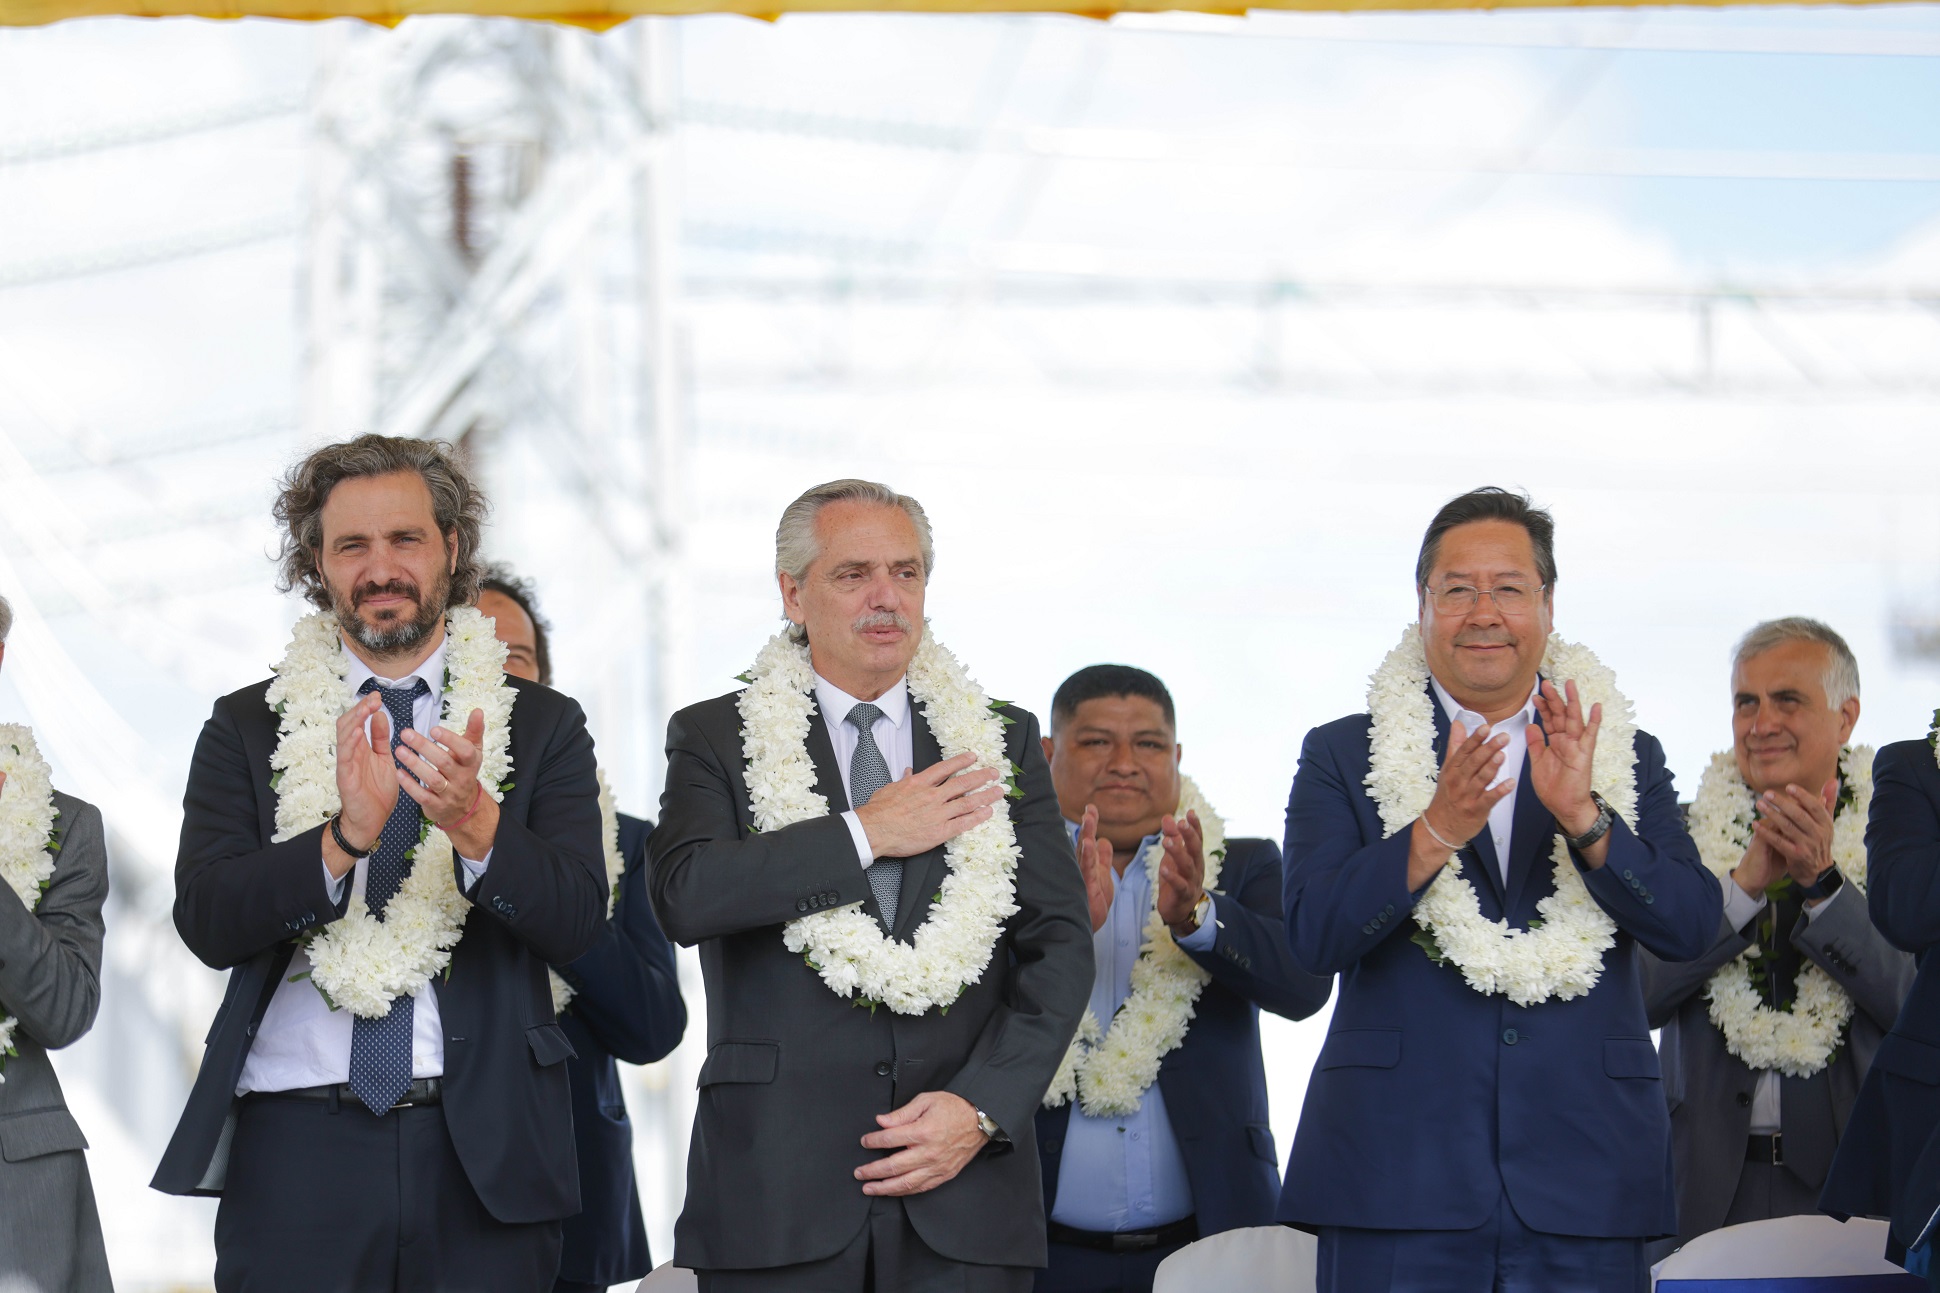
(412, 1130)
(841, 831)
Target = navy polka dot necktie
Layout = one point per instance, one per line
(868, 773)
(380, 1049)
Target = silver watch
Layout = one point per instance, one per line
(987, 1126)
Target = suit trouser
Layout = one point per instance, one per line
(323, 1199)
(886, 1256)
(1502, 1255)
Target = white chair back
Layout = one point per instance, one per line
(1260, 1259)
(1786, 1247)
(669, 1278)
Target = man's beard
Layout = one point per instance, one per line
(398, 636)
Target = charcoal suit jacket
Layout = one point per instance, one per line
(795, 1075)
(241, 902)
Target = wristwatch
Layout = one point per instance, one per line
(1828, 883)
(988, 1126)
(1598, 829)
(1201, 913)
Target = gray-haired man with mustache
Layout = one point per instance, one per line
(837, 1148)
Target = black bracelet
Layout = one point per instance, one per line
(337, 834)
(1828, 883)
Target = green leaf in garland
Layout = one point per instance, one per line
(746, 678)
(1426, 942)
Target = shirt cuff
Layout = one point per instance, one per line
(861, 838)
(474, 870)
(334, 884)
(1203, 938)
(1739, 906)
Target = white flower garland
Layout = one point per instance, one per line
(27, 816)
(846, 946)
(363, 962)
(1563, 956)
(1798, 1042)
(1109, 1072)
(562, 991)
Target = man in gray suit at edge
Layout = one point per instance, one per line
(1751, 1141)
(50, 968)
(887, 1148)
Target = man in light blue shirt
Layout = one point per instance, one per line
(1136, 1167)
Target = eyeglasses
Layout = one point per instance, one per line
(1460, 599)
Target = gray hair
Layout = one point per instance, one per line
(1841, 669)
(797, 545)
(6, 620)
(457, 505)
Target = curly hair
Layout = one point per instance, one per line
(457, 505)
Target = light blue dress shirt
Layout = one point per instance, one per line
(1124, 1173)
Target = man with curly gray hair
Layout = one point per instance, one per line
(383, 1104)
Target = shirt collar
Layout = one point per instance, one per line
(1470, 719)
(1075, 827)
(432, 671)
(836, 703)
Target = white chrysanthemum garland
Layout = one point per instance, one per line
(363, 962)
(27, 817)
(1801, 1041)
(846, 946)
(1110, 1071)
(562, 991)
(1563, 956)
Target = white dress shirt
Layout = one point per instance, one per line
(893, 733)
(1502, 817)
(1740, 908)
(302, 1042)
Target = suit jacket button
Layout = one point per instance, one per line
(1629, 875)
(1649, 899)
(1053, 1146)
(1367, 929)
(1744, 1099)
(885, 1068)
(1509, 1037)
(1388, 910)
(802, 905)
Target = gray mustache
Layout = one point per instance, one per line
(883, 620)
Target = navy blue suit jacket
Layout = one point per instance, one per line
(1430, 1099)
(627, 1006)
(1215, 1082)
(1888, 1164)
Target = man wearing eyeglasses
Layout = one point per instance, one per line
(1478, 857)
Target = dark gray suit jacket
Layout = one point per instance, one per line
(1710, 1089)
(796, 1075)
(50, 980)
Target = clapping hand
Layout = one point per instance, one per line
(1095, 862)
(366, 780)
(1182, 872)
(1562, 749)
(1463, 798)
(1795, 826)
(440, 771)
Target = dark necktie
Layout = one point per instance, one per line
(868, 773)
(380, 1049)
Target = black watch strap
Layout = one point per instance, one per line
(337, 834)
(1598, 829)
(1828, 883)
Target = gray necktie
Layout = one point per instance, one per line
(868, 773)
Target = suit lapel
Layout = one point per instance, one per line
(922, 876)
(1480, 853)
(1530, 836)
(828, 773)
